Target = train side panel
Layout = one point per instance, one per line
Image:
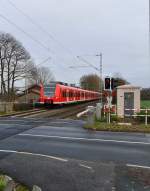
(61, 94)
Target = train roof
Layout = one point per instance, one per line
(78, 88)
(71, 86)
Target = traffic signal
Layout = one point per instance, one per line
(107, 83)
(114, 83)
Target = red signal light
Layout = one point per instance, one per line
(107, 83)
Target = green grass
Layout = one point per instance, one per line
(2, 183)
(2, 113)
(19, 187)
(114, 127)
(145, 104)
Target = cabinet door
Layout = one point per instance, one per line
(129, 103)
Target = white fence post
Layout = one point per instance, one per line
(145, 116)
(146, 112)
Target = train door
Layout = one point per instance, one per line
(67, 95)
(74, 95)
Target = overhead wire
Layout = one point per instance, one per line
(89, 64)
(51, 36)
(42, 29)
(38, 26)
(26, 33)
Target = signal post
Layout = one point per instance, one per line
(109, 85)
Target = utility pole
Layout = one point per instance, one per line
(98, 69)
(101, 77)
(149, 29)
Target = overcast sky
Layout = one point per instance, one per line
(117, 28)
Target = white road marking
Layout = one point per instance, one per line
(33, 116)
(9, 120)
(138, 166)
(85, 166)
(84, 139)
(60, 122)
(16, 125)
(34, 154)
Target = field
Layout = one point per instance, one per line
(145, 104)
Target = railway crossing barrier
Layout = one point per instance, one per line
(93, 112)
(90, 111)
(98, 111)
(91, 115)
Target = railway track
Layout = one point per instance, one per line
(24, 113)
(32, 112)
(65, 112)
(69, 111)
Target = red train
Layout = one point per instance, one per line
(61, 93)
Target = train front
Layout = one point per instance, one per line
(47, 95)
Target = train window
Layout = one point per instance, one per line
(64, 93)
(49, 90)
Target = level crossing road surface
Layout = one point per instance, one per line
(58, 154)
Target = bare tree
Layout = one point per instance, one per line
(119, 80)
(90, 82)
(40, 75)
(13, 60)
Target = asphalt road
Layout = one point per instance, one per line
(61, 155)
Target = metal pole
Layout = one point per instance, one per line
(149, 25)
(25, 89)
(101, 77)
(26, 85)
(149, 29)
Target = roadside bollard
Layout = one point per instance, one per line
(90, 115)
(98, 111)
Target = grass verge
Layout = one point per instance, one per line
(21, 188)
(18, 187)
(2, 183)
(114, 127)
(145, 104)
(2, 113)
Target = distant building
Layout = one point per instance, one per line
(31, 95)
